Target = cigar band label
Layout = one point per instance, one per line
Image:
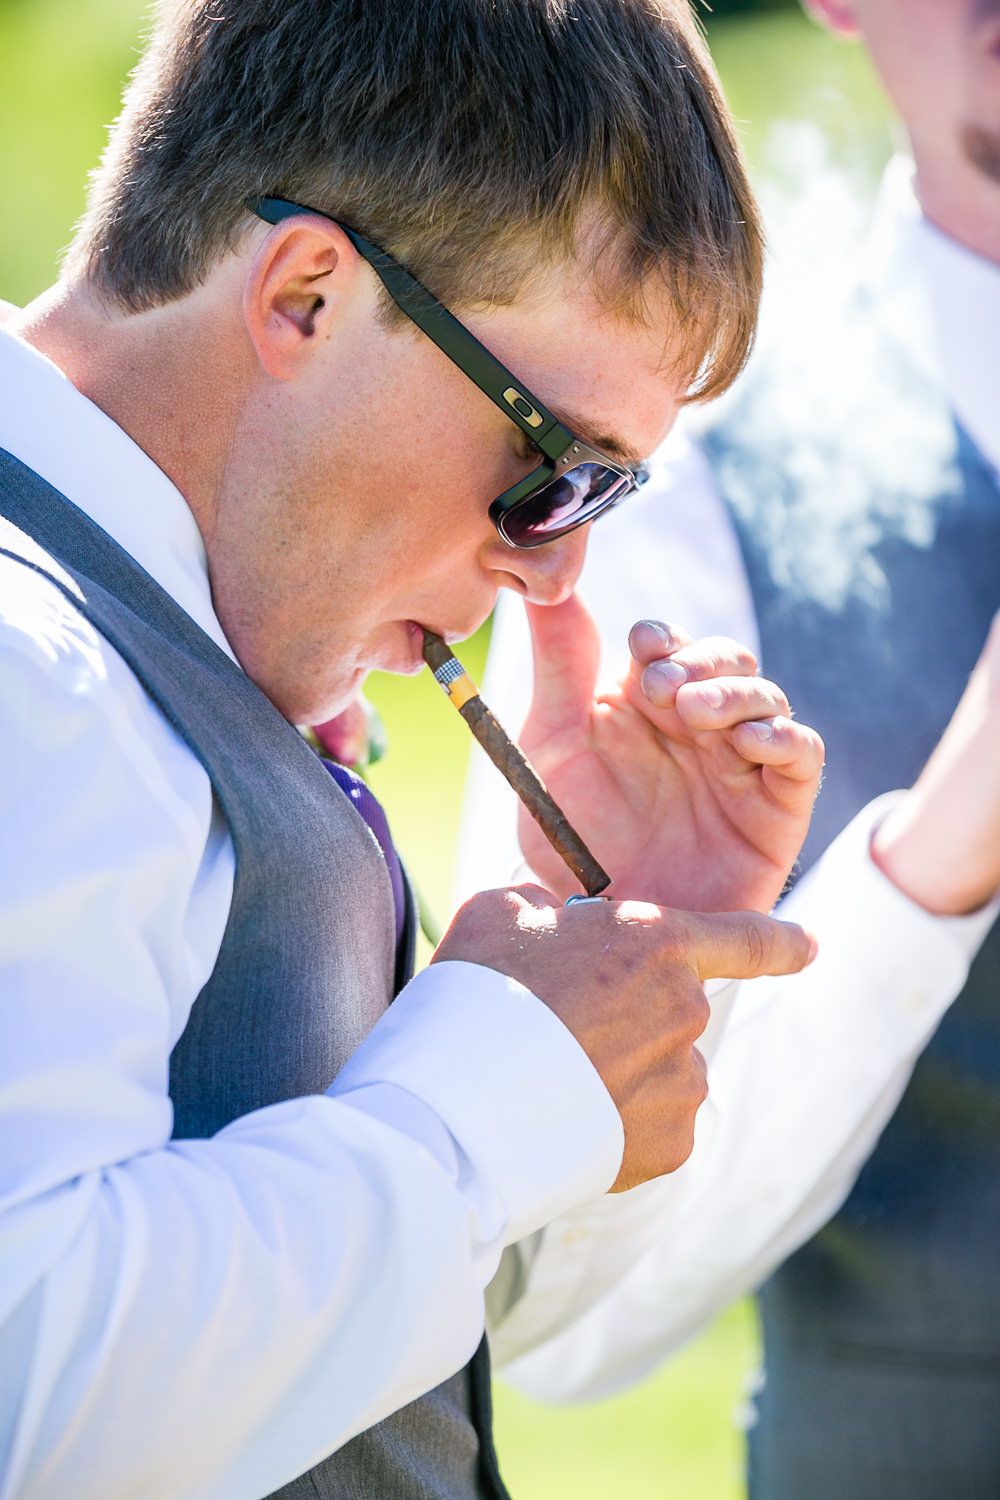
(455, 682)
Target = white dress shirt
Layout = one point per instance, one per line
(809, 1069)
(211, 1318)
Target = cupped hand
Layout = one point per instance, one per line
(689, 780)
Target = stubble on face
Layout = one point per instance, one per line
(980, 143)
(981, 149)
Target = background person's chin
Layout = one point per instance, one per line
(982, 148)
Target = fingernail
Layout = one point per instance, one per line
(670, 673)
(713, 696)
(764, 732)
(658, 628)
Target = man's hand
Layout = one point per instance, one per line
(689, 781)
(941, 843)
(626, 979)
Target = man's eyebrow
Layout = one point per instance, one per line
(605, 442)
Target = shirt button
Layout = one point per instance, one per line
(576, 1236)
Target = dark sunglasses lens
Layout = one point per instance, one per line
(565, 503)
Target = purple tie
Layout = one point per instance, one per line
(370, 809)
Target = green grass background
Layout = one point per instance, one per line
(62, 63)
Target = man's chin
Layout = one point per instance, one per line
(312, 703)
(399, 651)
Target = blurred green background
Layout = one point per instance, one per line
(62, 63)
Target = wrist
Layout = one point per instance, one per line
(922, 857)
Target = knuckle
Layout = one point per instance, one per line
(528, 891)
(674, 977)
(697, 662)
(755, 944)
(722, 651)
(689, 1011)
(483, 906)
(807, 745)
(699, 1078)
(680, 1147)
(509, 904)
(698, 1012)
(744, 659)
(773, 696)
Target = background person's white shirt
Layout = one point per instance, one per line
(210, 1318)
(808, 1069)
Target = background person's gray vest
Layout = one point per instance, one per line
(870, 528)
(308, 960)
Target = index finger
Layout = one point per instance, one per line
(745, 944)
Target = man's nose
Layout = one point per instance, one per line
(546, 574)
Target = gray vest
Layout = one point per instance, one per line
(308, 960)
(870, 527)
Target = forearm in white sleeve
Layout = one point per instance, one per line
(806, 1075)
(209, 1318)
(216, 1316)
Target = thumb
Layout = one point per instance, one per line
(566, 654)
(744, 945)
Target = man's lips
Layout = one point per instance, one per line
(413, 663)
(450, 637)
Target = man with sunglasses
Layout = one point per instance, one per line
(573, 484)
(249, 1209)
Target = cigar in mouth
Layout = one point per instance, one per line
(509, 761)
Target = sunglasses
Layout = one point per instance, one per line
(573, 484)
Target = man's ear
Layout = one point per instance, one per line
(838, 16)
(296, 289)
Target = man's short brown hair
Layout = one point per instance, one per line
(478, 141)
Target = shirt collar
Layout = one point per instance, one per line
(944, 300)
(965, 306)
(69, 442)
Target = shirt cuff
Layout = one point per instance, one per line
(883, 953)
(847, 865)
(536, 1131)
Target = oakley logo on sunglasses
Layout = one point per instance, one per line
(523, 407)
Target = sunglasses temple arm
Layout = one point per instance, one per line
(443, 329)
(465, 351)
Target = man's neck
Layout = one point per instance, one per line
(152, 373)
(961, 201)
